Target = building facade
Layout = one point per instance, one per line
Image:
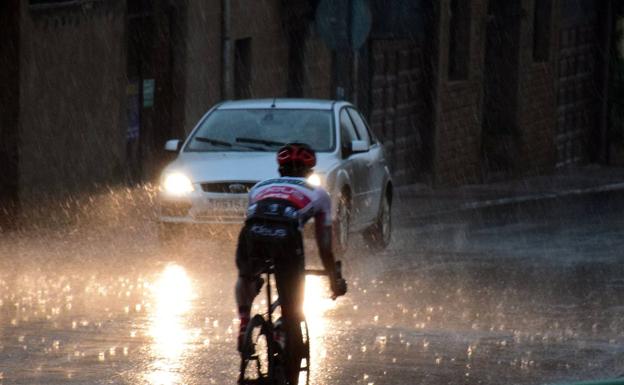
(460, 91)
(511, 88)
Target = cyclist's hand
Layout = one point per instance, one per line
(338, 287)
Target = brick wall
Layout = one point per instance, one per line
(72, 123)
(457, 153)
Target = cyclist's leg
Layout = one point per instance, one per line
(246, 288)
(290, 280)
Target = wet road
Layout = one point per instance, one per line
(530, 299)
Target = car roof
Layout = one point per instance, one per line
(283, 103)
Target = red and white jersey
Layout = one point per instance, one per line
(310, 201)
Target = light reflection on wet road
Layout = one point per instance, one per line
(479, 305)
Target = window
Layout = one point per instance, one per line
(347, 131)
(360, 126)
(242, 68)
(541, 30)
(459, 39)
(49, 4)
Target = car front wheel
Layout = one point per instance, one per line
(341, 225)
(379, 234)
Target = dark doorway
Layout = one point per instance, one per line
(138, 32)
(615, 134)
(242, 68)
(151, 25)
(459, 40)
(499, 139)
(9, 113)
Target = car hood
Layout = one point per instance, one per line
(235, 166)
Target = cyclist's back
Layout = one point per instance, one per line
(300, 199)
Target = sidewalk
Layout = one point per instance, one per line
(419, 203)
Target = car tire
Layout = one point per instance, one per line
(342, 224)
(378, 236)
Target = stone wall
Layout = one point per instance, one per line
(72, 79)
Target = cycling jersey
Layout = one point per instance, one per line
(277, 212)
(310, 201)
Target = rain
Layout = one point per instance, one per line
(473, 152)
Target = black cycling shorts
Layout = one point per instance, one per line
(261, 242)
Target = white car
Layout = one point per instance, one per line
(234, 146)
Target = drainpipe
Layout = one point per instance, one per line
(226, 50)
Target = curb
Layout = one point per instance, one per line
(544, 196)
(597, 382)
(478, 210)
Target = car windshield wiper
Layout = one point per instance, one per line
(215, 142)
(266, 142)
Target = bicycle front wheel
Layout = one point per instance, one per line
(305, 359)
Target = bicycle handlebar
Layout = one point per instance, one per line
(324, 272)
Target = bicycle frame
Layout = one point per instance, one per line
(266, 321)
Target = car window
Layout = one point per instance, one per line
(360, 126)
(263, 130)
(347, 131)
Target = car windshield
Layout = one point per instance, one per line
(263, 130)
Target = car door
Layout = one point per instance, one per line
(354, 164)
(372, 165)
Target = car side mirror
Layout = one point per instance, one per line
(359, 146)
(173, 145)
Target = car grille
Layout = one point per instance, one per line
(233, 187)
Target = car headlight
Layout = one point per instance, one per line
(314, 179)
(177, 184)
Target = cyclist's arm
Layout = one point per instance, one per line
(323, 232)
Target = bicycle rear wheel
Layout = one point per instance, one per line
(260, 358)
(255, 353)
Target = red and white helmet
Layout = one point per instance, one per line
(296, 156)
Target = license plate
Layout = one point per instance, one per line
(226, 205)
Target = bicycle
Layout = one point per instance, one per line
(260, 349)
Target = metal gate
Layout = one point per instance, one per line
(398, 108)
(577, 88)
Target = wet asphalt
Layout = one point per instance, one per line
(518, 296)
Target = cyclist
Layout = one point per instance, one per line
(277, 211)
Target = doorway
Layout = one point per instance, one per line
(9, 114)
(499, 135)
